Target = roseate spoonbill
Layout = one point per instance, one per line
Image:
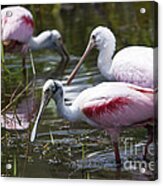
(112, 106)
(17, 29)
(133, 64)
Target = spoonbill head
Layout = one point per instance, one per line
(101, 37)
(52, 40)
(51, 89)
(59, 46)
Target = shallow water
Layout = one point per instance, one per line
(63, 149)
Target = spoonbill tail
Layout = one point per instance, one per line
(133, 64)
(114, 107)
(17, 30)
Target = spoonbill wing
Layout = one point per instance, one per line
(116, 104)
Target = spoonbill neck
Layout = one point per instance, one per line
(36, 43)
(68, 112)
(43, 40)
(105, 61)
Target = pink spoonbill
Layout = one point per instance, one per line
(133, 64)
(17, 30)
(112, 106)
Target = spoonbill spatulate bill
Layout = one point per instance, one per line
(133, 64)
(112, 106)
(17, 30)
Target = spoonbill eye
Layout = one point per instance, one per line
(47, 90)
(93, 37)
(59, 39)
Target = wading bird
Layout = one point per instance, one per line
(133, 64)
(112, 106)
(17, 29)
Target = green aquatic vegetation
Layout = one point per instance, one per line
(15, 165)
(83, 151)
(51, 137)
(2, 53)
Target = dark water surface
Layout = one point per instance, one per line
(64, 149)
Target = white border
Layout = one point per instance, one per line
(59, 182)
